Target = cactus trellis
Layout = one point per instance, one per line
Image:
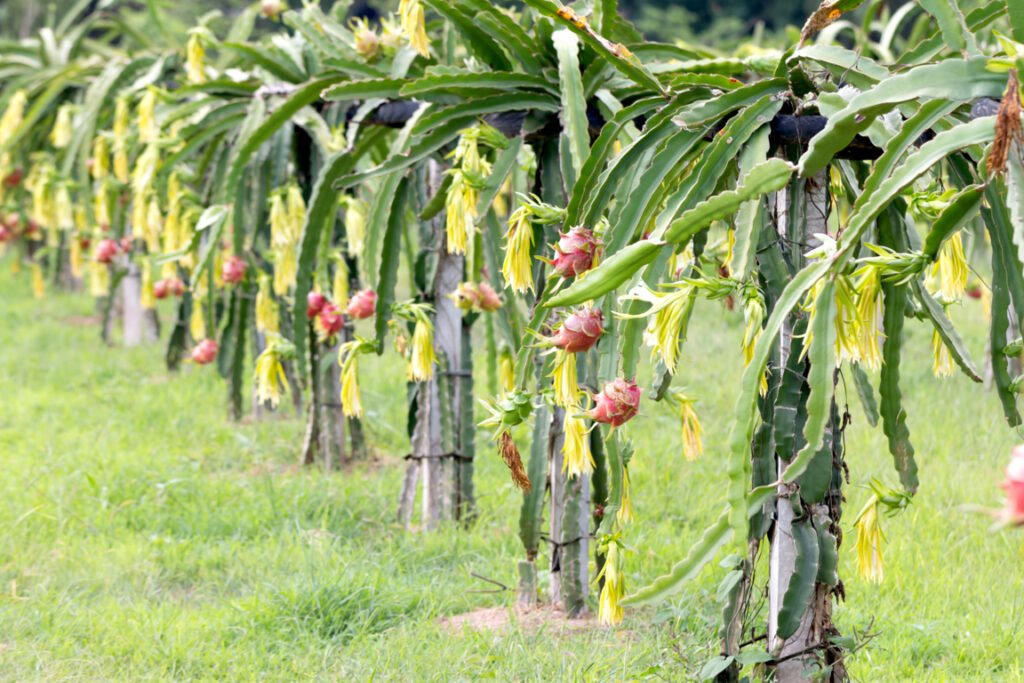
(826, 189)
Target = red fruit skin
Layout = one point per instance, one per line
(617, 403)
(205, 352)
(575, 252)
(489, 299)
(177, 287)
(363, 304)
(161, 288)
(331, 319)
(106, 250)
(13, 179)
(5, 234)
(126, 245)
(31, 227)
(1014, 485)
(233, 270)
(84, 243)
(315, 302)
(580, 331)
(974, 292)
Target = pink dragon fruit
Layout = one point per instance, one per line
(204, 352)
(106, 250)
(315, 302)
(362, 305)
(617, 403)
(233, 270)
(331, 319)
(580, 331)
(489, 299)
(1014, 485)
(575, 252)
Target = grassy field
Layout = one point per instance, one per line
(148, 538)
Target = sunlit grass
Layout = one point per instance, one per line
(148, 538)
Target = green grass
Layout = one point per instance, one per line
(148, 538)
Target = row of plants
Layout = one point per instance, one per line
(552, 184)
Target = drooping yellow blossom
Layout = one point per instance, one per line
(507, 370)
(340, 284)
(693, 448)
(145, 171)
(848, 325)
(296, 211)
(121, 124)
(266, 308)
(610, 610)
(63, 208)
(869, 310)
(13, 115)
(567, 392)
(952, 269)
(101, 205)
(149, 130)
(195, 54)
(356, 213)
(75, 259)
(38, 283)
(421, 353)
(271, 382)
(942, 361)
(147, 297)
(197, 323)
(753, 319)
(518, 265)
(60, 134)
(669, 317)
(869, 542)
(287, 215)
(625, 513)
(460, 212)
(100, 167)
(348, 358)
(414, 25)
(154, 225)
(99, 279)
(576, 456)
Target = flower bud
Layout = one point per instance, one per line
(272, 8)
(575, 252)
(363, 304)
(205, 352)
(580, 331)
(489, 299)
(617, 403)
(466, 296)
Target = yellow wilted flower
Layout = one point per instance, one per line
(266, 308)
(145, 171)
(149, 130)
(100, 205)
(869, 309)
(518, 265)
(296, 211)
(348, 358)
(952, 269)
(195, 53)
(286, 267)
(60, 135)
(576, 456)
(414, 25)
(356, 213)
(271, 382)
(38, 283)
(100, 168)
(625, 514)
(63, 208)
(13, 115)
(421, 359)
(75, 259)
(197, 323)
(669, 315)
(507, 370)
(753, 317)
(147, 297)
(99, 279)
(610, 610)
(567, 393)
(154, 225)
(460, 212)
(693, 448)
(340, 284)
(121, 123)
(869, 542)
(942, 363)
